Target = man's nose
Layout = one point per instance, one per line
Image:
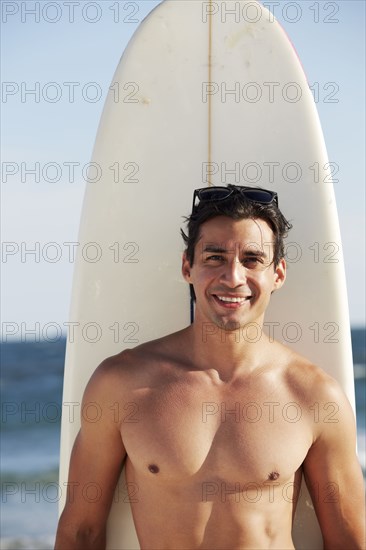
(233, 273)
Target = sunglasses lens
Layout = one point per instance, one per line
(214, 193)
(259, 195)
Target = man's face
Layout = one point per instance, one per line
(233, 274)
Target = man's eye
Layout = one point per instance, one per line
(252, 261)
(215, 258)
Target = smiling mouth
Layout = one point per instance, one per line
(231, 301)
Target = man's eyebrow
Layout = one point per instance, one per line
(215, 248)
(255, 252)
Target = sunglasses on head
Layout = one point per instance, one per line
(254, 194)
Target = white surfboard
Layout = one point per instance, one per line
(205, 93)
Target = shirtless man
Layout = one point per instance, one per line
(225, 426)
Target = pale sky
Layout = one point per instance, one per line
(67, 52)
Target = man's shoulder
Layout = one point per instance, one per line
(123, 366)
(144, 360)
(309, 380)
(304, 377)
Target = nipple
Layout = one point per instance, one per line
(273, 476)
(153, 468)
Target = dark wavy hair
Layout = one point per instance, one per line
(236, 207)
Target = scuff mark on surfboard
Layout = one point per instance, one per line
(95, 288)
(145, 100)
(246, 31)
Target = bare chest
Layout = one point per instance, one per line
(247, 434)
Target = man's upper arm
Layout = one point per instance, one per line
(97, 455)
(333, 474)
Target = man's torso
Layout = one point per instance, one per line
(213, 463)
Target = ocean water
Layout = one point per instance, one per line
(31, 396)
(31, 387)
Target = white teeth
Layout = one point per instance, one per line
(230, 299)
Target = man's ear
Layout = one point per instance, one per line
(279, 275)
(186, 268)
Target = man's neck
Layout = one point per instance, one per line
(242, 350)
